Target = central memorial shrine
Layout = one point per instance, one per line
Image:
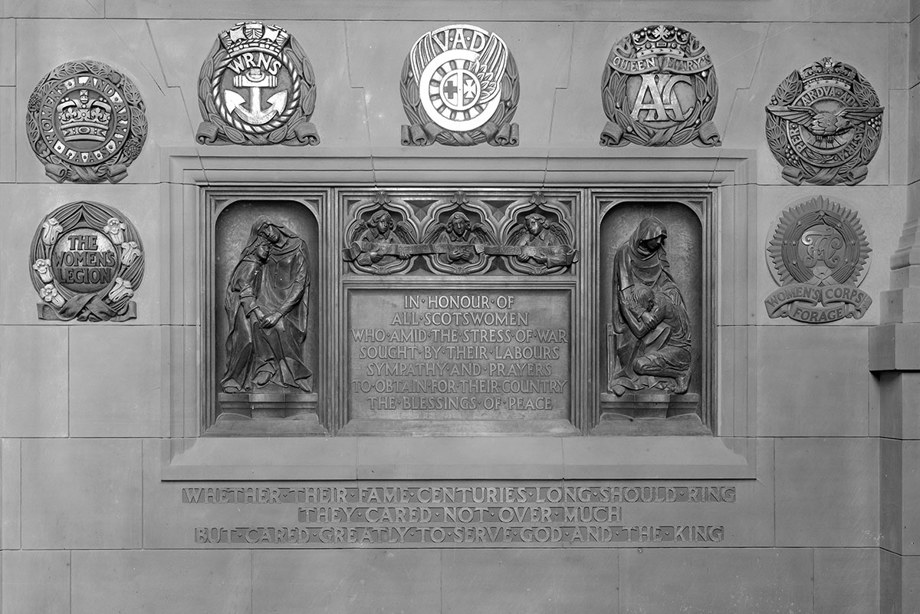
(335, 312)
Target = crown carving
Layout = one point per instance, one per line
(84, 119)
(254, 35)
(664, 39)
(830, 68)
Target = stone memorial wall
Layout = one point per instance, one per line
(393, 309)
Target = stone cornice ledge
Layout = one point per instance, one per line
(454, 458)
(405, 166)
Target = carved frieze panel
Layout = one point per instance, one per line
(256, 87)
(659, 88)
(460, 86)
(460, 234)
(818, 254)
(824, 124)
(87, 261)
(85, 122)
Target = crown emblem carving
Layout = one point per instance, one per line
(664, 39)
(84, 119)
(254, 36)
(86, 122)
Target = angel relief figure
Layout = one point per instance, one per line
(459, 244)
(541, 246)
(382, 245)
(266, 304)
(649, 341)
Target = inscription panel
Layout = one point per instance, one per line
(465, 514)
(483, 354)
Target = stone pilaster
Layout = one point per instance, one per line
(894, 358)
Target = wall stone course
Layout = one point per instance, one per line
(827, 492)
(794, 398)
(36, 581)
(81, 493)
(34, 383)
(530, 581)
(332, 581)
(846, 580)
(174, 581)
(699, 581)
(10, 493)
(126, 401)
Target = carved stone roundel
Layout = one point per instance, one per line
(87, 260)
(818, 254)
(459, 87)
(86, 122)
(256, 87)
(824, 124)
(659, 89)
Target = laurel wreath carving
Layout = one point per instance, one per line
(114, 168)
(613, 93)
(497, 131)
(291, 127)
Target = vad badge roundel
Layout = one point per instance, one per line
(256, 87)
(460, 87)
(824, 124)
(86, 122)
(659, 89)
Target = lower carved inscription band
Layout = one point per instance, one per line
(476, 514)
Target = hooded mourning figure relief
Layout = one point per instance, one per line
(267, 310)
(649, 340)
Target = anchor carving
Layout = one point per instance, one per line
(255, 80)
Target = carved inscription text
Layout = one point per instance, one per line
(483, 355)
(463, 515)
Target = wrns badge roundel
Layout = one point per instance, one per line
(659, 89)
(256, 87)
(824, 124)
(459, 87)
(86, 122)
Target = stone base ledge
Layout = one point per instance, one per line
(483, 458)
